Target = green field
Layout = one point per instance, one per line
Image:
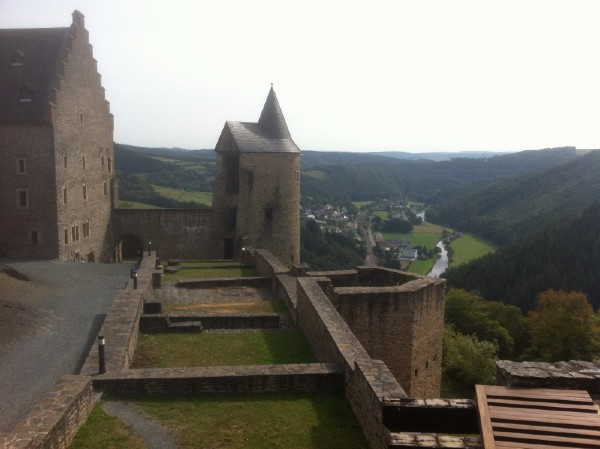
(201, 198)
(421, 266)
(426, 235)
(222, 349)
(236, 421)
(469, 247)
(360, 204)
(383, 214)
(135, 205)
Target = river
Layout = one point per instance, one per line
(442, 263)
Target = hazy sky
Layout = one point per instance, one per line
(354, 76)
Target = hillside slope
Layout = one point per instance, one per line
(563, 256)
(504, 210)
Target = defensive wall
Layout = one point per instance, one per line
(174, 233)
(373, 392)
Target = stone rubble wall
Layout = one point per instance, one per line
(308, 377)
(572, 375)
(54, 421)
(367, 381)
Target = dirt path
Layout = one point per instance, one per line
(151, 431)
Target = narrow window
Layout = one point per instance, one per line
(268, 213)
(66, 236)
(64, 195)
(83, 160)
(109, 165)
(84, 191)
(65, 160)
(81, 119)
(416, 372)
(297, 176)
(102, 159)
(17, 58)
(25, 95)
(72, 233)
(22, 200)
(34, 237)
(21, 167)
(232, 219)
(76, 232)
(250, 180)
(105, 190)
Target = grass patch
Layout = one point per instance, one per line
(136, 205)
(359, 204)
(383, 214)
(222, 349)
(256, 421)
(469, 247)
(102, 431)
(421, 266)
(201, 198)
(428, 228)
(268, 306)
(213, 272)
(213, 263)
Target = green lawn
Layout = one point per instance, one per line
(212, 263)
(212, 272)
(255, 421)
(202, 198)
(469, 247)
(360, 204)
(426, 239)
(421, 266)
(222, 349)
(383, 214)
(135, 205)
(274, 305)
(102, 431)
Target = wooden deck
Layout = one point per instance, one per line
(521, 418)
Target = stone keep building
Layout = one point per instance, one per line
(256, 196)
(58, 185)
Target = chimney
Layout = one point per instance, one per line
(78, 19)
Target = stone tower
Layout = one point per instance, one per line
(256, 196)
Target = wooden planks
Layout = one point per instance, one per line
(512, 418)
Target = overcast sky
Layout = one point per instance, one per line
(351, 76)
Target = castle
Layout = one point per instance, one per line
(59, 196)
(59, 191)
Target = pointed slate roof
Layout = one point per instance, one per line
(269, 135)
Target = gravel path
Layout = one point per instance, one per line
(152, 432)
(48, 325)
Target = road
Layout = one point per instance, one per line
(371, 259)
(47, 326)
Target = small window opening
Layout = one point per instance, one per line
(65, 160)
(64, 195)
(83, 160)
(21, 167)
(17, 58)
(232, 219)
(416, 372)
(22, 200)
(268, 213)
(66, 236)
(105, 189)
(81, 119)
(426, 365)
(102, 159)
(72, 233)
(84, 191)
(76, 232)
(297, 176)
(34, 237)
(25, 95)
(109, 164)
(250, 180)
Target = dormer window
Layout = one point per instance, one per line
(25, 95)
(17, 58)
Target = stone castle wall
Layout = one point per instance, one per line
(174, 233)
(35, 150)
(84, 186)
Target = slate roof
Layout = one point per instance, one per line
(269, 135)
(29, 61)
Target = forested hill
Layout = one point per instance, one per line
(330, 175)
(369, 177)
(506, 209)
(565, 256)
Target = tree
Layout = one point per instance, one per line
(467, 360)
(563, 327)
(491, 321)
